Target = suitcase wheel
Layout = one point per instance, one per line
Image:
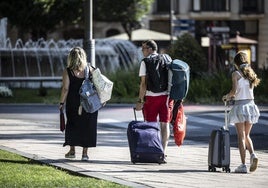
(211, 169)
(226, 169)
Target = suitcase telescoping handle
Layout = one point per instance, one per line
(225, 115)
(135, 115)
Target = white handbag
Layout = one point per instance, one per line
(103, 85)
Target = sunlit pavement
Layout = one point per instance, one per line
(186, 166)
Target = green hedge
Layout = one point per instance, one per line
(209, 88)
(126, 85)
(206, 89)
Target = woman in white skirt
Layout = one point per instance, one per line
(244, 112)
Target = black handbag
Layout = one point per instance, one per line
(62, 120)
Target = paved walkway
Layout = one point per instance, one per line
(110, 160)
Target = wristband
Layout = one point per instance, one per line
(62, 103)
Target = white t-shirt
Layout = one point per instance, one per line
(143, 73)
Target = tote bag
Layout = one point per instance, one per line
(103, 85)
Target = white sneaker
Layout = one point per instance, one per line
(253, 162)
(241, 169)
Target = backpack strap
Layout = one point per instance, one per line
(166, 58)
(88, 74)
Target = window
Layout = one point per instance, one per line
(196, 5)
(211, 5)
(253, 7)
(163, 6)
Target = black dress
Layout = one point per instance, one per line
(81, 130)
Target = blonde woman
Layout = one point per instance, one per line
(244, 112)
(81, 130)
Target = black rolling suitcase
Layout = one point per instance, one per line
(219, 148)
(144, 141)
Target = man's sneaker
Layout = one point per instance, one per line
(253, 162)
(241, 169)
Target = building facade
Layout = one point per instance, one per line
(214, 23)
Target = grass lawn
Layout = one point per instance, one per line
(17, 171)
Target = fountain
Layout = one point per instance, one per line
(45, 60)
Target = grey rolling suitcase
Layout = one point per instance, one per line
(219, 148)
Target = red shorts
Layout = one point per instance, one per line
(155, 106)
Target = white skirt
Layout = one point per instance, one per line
(244, 110)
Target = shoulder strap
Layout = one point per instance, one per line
(166, 58)
(86, 73)
(238, 72)
(163, 58)
(146, 59)
(151, 61)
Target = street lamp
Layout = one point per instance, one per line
(89, 42)
(171, 14)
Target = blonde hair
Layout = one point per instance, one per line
(77, 59)
(242, 63)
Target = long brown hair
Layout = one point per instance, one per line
(242, 63)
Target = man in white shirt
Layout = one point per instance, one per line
(155, 104)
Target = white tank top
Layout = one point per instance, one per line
(243, 90)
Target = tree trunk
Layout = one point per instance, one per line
(128, 29)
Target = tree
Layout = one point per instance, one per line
(127, 12)
(38, 17)
(187, 49)
(20, 14)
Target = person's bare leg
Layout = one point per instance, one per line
(71, 153)
(249, 144)
(165, 132)
(84, 151)
(240, 128)
(72, 149)
(84, 154)
(248, 140)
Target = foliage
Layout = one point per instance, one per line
(5, 92)
(209, 88)
(22, 14)
(128, 12)
(187, 49)
(38, 17)
(42, 91)
(24, 95)
(67, 11)
(261, 91)
(204, 89)
(126, 85)
(17, 171)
